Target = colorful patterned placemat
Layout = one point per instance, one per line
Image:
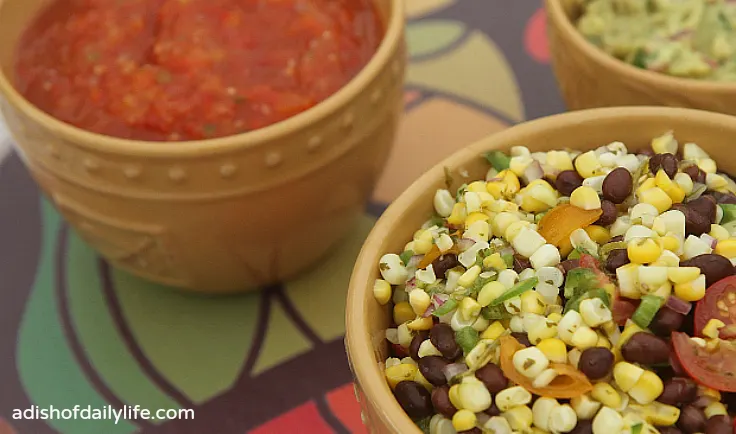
(75, 332)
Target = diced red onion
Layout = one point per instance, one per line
(707, 239)
(440, 299)
(533, 172)
(465, 243)
(678, 305)
(506, 251)
(712, 62)
(428, 312)
(681, 34)
(410, 284)
(414, 261)
(454, 369)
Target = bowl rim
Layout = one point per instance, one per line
(557, 14)
(358, 340)
(195, 148)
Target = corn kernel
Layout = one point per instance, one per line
(586, 198)
(584, 338)
(563, 419)
(427, 348)
(647, 388)
(530, 203)
(603, 342)
(719, 232)
(657, 413)
(469, 308)
(715, 182)
(458, 214)
(403, 312)
(477, 187)
(646, 185)
(494, 261)
(531, 302)
(554, 349)
(694, 246)
(489, 292)
(541, 411)
(419, 301)
(599, 234)
(584, 406)
(627, 375)
(683, 274)
(684, 181)
(464, 420)
(726, 248)
(657, 197)
(715, 409)
(573, 357)
(607, 421)
(707, 165)
(675, 192)
(606, 395)
(454, 396)
(401, 372)
(382, 291)
(643, 250)
(419, 378)
(587, 164)
(664, 144)
(502, 221)
(711, 328)
(541, 330)
(707, 391)
(530, 362)
(518, 164)
(559, 160)
(474, 396)
(443, 202)
(519, 418)
(494, 331)
(474, 217)
(691, 291)
(512, 397)
(670, 243)
(594, 312)
(527, 241)
(421, 324)
(568, 325)
(628, 281)
(470, 275)
(662, 180)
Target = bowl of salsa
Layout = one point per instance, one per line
(609, 53)
(212, 145)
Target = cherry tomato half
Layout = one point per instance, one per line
(719, 303)
(710, 368)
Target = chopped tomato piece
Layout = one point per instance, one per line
(569, 382)
(714, 368)
(719, 303)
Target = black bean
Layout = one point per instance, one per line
(583, 427)
(414, 399)
(695, 174)
(695, 224)
(610, 213)
(617, 185)
(521, 263)
(692, 419)
(522, 338)
(647, 151)
(493, 410)
(616, 258)
(646, 349)
(715, 267)
(668, 430)
(442, 337)
(432, 368)
(492, 376)
(444, 263)
(616, 239)
(441, 401)
(596, 362)
(666, 321)
(420, 337)
(678, 391)
(666, 162)
(728, 198)
(720, 424)
(567, 181)
(705, 205)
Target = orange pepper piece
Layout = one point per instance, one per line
(557, 225)
(435, 253)
(569, 382)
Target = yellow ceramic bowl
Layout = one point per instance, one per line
(367, 320)
(219, 215)
(589, 78)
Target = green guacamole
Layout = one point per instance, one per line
(682, 38)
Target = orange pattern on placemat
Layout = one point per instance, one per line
(344, 406)
(304, 419)
(5, 427)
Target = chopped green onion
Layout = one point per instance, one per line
(467, 337)
(508, 259)
(477, 286)
(579, 281)
(729, 212)
(516, 290)
(640, 59)
(498, 160)
(647, 309)
(495, 312)
(460, 192)
(445, 308)
(406, 255)
(636, 429)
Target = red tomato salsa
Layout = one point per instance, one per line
(191, 69)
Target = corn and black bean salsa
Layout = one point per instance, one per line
(570, 292)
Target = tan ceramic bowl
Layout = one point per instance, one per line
(589, 78)
(219, 215)
(367, 320)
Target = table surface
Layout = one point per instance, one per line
(74, 331)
